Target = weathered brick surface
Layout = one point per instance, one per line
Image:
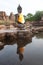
(12, 17)
(2, 15)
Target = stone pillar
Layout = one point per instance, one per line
(2, 15)
(12, 17)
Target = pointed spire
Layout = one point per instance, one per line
(19, 7)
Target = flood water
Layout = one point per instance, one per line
(23, 52)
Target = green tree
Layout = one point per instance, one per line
(36, 17)
(29, 17)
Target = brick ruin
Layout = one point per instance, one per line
(38, 23)
(11, 17)
(4, 16)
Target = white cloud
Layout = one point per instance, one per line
(27, 5)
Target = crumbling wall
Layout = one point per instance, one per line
(12, 17)
(2, 15)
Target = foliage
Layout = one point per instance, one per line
(28, 17)
(36, 17)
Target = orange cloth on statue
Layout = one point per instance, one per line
(21, 18)
(21, 49)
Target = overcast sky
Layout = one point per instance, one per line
(29, 6)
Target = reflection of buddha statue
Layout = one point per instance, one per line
(21, 43)
(20, 51)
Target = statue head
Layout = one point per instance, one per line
(19, 9)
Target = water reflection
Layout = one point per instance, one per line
(39, 35)
(17, 51)
(21, 43)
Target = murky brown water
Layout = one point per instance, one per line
(22, 51)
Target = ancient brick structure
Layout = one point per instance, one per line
(12, 17)
(2, 15)
(5, 17)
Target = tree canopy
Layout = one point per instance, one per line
(36, 17)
